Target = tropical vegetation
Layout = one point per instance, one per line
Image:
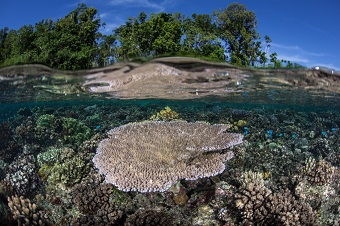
(75, 41)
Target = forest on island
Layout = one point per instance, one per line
(75, 42)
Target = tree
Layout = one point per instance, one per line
(273, 58)
(74, 45)
(237, 28)
(107, 50)
(3, 36)
(166, 33)
(140, 37)
(201, 38)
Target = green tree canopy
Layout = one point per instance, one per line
(74, 41)
(237, 28)
(69, 43)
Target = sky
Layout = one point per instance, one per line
(306, 32)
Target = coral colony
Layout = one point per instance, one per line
(151, 156)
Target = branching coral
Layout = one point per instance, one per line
(94, 200)
(69, 172)
(26, 212)
(70, 130)
(167, 114)
(151, 156)
(318, 173)
(22, 175)
(260, 206)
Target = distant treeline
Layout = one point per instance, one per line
(74, 42)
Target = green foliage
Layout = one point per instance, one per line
(140, 37)
(73, 42)
(69, 43)
(237, 28)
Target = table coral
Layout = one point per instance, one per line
(151, 156)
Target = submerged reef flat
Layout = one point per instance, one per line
(219, 164)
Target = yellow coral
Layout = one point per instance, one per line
(167, 114)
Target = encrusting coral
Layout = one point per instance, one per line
(151, 156)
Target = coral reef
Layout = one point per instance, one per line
(70, 130)
(26, 212)
(155, 217)
(314, 184)
(318, 173)
(69, 172)
(50, 156)
(205, 216)
(22, 175)
(167, 114)
(151, 156)
(99, 203)
(259, 205)
(8, 145)
(284, 173)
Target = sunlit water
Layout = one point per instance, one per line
(286, 117)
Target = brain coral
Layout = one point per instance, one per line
(151, 156)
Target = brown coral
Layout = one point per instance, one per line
(152, 217)
(318, 173)
(97, 202)
(259, 205)
(151, 156)
(26, 212)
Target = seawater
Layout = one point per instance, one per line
(290, 152)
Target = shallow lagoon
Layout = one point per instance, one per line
(285, 171)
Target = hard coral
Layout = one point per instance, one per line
(8, 146)
(94, 199)
(151, 217)
(69, 172)
(26, 212)
(167, 114)
(151, 156)
(318, 173)
(259, 205)
(22, 175)
(69, 130)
